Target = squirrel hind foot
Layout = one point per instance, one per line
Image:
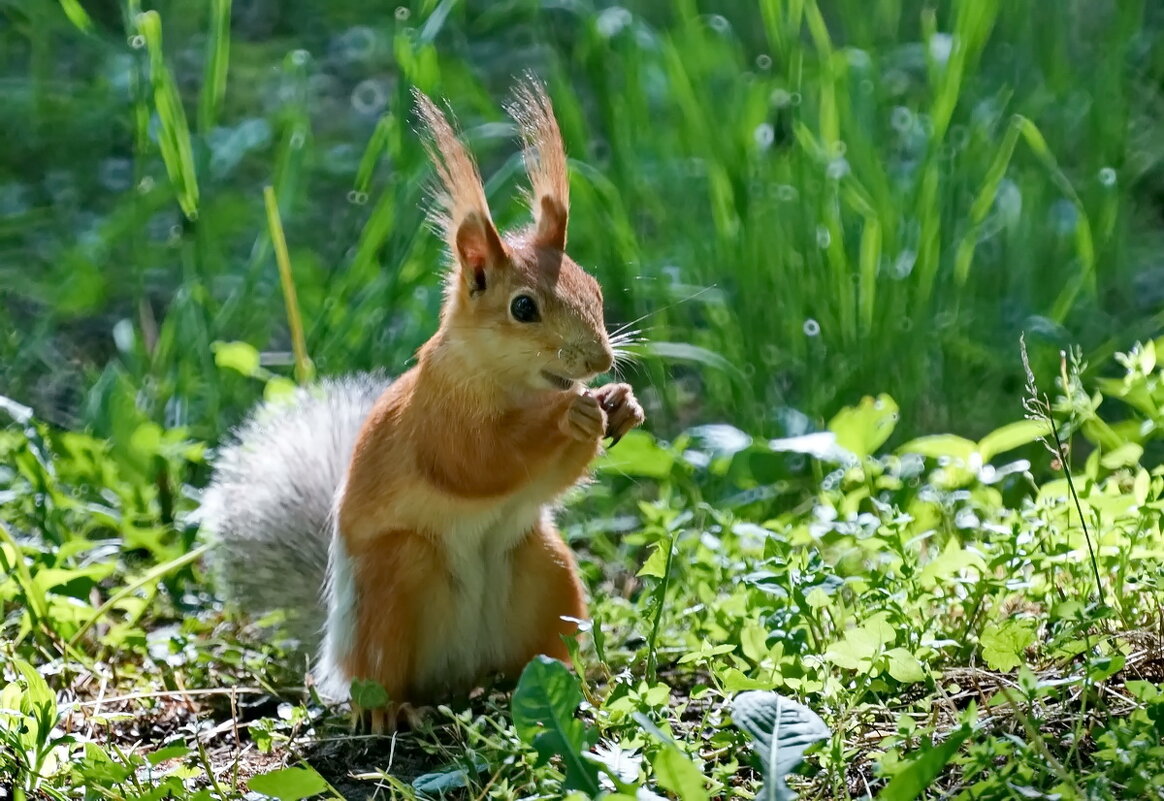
(389, 719)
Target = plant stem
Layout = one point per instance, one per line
(294, 320)
(660, 597)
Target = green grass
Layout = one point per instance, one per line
(831, 221)
(800, 203)
(935, 604)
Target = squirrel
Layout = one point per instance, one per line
(406, 527)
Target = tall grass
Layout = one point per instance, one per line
(802, 202)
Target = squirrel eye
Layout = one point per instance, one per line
(524, 309)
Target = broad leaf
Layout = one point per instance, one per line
(940, 445)
(719, 439)
(904, 666)
(684, 352)
(1125, 455)
(239, 356)
(454, 777)
(782, 730)
(921, 772)
(674, 769)
(175, 751)
(656, 564)
(289, 784)
(820, 445)
(637, 454)
(1012, 436)
(368, 693)
(1003, 645)
(862, 429)
(543, 706)
(677, 773)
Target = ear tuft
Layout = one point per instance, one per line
(461, 212)
(545, 161)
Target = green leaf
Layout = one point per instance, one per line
(921, 772)
(674, 770)
(278, 388)
(289, 784)
(754, 642)
(862, 429)
(819, 445)
(1104, 667)
(735, 680)
(175, 751)
(1012, 436)
(861, 644)
(1003, 645)
(19, 413)
(781, 730)
(77, 15)
(217, 61)
(940, 445)
(637, 454)
(543, 706)
(1125, 455)
(854, 651)
(677, 773)
(174, 134)
(454, 777)
(368, 693)
(239, 356)
(684, 352)
(954, 559)
(904, 666)
(656, 564)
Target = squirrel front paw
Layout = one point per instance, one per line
(622, 409)
(584, 419)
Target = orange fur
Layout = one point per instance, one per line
(445, 513)
(547, 588)
(394, 575)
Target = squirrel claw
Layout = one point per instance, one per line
(623, 411)
(386, 719)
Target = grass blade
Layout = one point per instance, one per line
(303, 367)
(174, 136)
(217, 62)
(77, 15)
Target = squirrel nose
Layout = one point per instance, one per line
(601, 361)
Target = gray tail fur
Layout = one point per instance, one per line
(267, 510)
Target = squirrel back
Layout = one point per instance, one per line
(268, 506)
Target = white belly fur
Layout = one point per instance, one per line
(457, 644)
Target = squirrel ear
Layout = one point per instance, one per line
(545, 162)
(478, 249)
(551, 223)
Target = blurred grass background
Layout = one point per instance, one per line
(800, 201)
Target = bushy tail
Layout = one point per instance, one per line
(266, 512)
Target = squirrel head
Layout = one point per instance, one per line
(515, 304)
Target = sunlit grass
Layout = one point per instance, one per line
(799, 203)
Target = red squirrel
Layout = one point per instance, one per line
(421, 510)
